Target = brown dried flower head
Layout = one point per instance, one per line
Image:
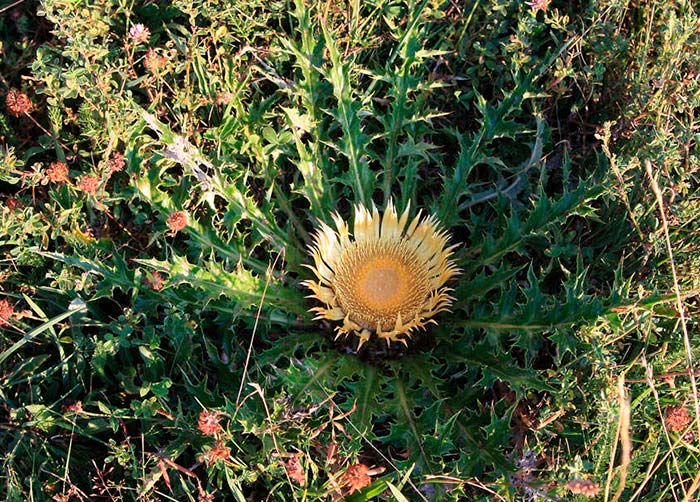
(72, 407)
(57, 172)
(208, 423)
(224, 98)
(116, 163)
(584, 487)
(677, 417)
(217, 452)
(154, 280)
(89, 184)
(13, 203)
(294, 469)
(205, 496)
(154, 62)
(177, 220)
(7, 312)
(18, 103)
(358, 476)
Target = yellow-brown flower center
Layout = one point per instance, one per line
(382, 283)
(374, 282)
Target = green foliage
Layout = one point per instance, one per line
(155, 339)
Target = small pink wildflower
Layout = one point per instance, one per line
(7, 312)
(536, 5)
(72, 407)
(217, 452)
(18, 103)
(205, 496)
(116, 163)
(89, 184)
(358, 476)
(57, 172)
(583, 487)
(223, 98)
(177, 220)
(139, 34)
(677, 417)
(294, 469)
(154, 280)
(208, 422)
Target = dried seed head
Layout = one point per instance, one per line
(177, 220)
(154, 62)
(217, 452)
(18, 103)
(116, 163)
(583, 487)
(358, 476)
(208, 422)
(57, 172)
(89, 184)
(13, 203)
(7, 312)
(677, 417)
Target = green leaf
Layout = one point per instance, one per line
(38, 331)
(398, 496)
(354, 143)
(366, 391)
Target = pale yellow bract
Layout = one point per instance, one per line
(387, 278)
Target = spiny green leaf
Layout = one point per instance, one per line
(354, 143)
(239, 285)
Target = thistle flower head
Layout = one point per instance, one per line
(387, 279)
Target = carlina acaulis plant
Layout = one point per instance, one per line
(387, 278)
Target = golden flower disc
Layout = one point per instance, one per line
(388, 280)
(375, 283)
